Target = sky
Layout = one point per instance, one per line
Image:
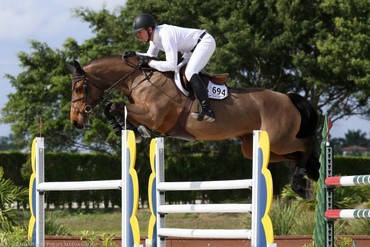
(52, 22)
(47, 21)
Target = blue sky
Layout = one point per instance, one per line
(48, 21)
(52, 22)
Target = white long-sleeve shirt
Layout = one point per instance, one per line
(171, 40)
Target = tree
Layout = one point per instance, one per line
(317, 48)
(7, 143)
(9, 193)
(356, 138)
(40, 93)
(351, 138)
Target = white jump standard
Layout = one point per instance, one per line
(261, 232)
(128, 186)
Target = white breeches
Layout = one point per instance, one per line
(201, 55)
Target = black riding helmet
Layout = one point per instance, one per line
(144, 21)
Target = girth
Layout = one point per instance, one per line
(179, 129)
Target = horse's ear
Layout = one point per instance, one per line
(76, 68)
(71, 67)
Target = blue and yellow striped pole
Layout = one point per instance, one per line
(152, 190)
(32, 197)
(130, 191)
(262, 192)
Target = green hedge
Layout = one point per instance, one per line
(12, 163)
(82, 167)
(351, 165)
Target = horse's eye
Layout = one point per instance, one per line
(78, 89)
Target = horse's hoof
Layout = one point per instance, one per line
(138, 139)
(144, 132)
(302, 186)
(305, 193)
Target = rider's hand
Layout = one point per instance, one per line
(129, 54)
(144, 61)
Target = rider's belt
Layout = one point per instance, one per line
(199, 39)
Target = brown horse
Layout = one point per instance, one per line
(159, 105)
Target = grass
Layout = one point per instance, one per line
(109, 222)
(100, 221)
(286, 219)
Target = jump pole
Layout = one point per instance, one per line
(261, 232)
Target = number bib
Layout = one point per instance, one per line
(217, 91)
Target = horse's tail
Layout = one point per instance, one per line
(308, 129)
(309, 116)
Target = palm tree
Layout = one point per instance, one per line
(355, 138)
(9, 193)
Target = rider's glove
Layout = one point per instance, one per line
(144, 61)
(129, 54)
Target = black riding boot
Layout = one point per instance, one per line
(201, 93)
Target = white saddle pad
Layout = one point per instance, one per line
(214, 91)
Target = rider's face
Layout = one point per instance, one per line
(143, 34)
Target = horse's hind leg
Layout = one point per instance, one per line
(313, 166)
(302, 163)
(247, 146)
(247, 149)
(306, 164)
(308, 159)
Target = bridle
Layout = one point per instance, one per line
(86, 93)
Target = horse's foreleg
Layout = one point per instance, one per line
(114, 113)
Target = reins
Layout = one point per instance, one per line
(108, 92)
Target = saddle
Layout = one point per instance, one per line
(179, 128)
(219, 79)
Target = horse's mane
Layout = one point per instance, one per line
(169, 74)
(106, 57)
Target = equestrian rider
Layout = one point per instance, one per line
(197, 47)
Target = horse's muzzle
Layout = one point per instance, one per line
(77, 125)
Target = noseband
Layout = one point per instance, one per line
(85, 94)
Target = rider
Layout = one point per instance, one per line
(197, 47)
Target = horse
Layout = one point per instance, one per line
(158, 104)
